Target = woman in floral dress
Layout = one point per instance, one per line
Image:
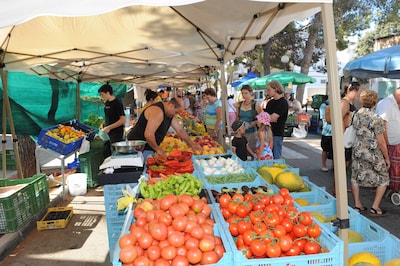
(370, 159)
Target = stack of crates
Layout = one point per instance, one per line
(10, 160)
(21, 200)
(90, 162)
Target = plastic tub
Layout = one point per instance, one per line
(77, 184)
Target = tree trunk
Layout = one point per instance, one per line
(267, 53)
(26, 147)
(308, 53)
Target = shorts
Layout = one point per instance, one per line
(347, 153)
(326, 145)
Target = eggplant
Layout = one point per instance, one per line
(245, 190)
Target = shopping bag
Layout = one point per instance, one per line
(349, 137)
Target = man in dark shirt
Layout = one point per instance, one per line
(154, 123)
(278, 108)
(114, 122)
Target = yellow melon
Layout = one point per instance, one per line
(290, 180)
(393, 262)
(364, 259)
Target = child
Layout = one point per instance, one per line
(240, 146)
(264, 142)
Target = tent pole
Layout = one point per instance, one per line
(225, 116)
(337, 127)
(4, 135)
(7, 108)
(78, 101)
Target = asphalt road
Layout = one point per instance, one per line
(306, 155)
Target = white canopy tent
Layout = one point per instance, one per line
(155, 41)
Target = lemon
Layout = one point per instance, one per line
(364, 258)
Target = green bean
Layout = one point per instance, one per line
(230, 178)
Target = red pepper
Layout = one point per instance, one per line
(150, 161)
(170, 163)
(187, 169)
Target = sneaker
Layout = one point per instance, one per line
(324, 169)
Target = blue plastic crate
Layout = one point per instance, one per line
(226, 260)
(328, 240)
(114, 219)
(61, 147)
(315, 197)
(392, 250)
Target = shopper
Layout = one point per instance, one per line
(265, 138)
(114, 121)
(247, 111)
(277, 107)
(370, 159)
(231, 109)
(326, 136)
(389, 110)
(214, 115)
(240, 146)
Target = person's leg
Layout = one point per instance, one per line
(356, 194)
(277, 149)
(380, 191)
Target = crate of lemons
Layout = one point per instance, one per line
(65, 134)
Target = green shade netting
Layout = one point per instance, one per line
(38, 103)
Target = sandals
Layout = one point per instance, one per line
(377, 213)
(360, 209)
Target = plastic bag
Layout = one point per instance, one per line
(349, 137)
(85, 147)
(299, 132)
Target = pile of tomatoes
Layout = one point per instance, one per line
(270, 226)
(172, 230)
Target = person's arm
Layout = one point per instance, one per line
(119, 122)
(219, 119)
(261, 136)
(154, 117)
(250, 151)
(182, 133)
(383, 147)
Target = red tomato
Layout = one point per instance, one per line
(287, 224)
(248, 236)
(141, 221)
(127, 240)
(176, 239)
(191, 242)
(273, 250)
(180, 223)
(207, 244)
(285, 243)
(293, 251)
(181, 251)
(128, 254)
(277, 199)
(209, 257)
(299, 230)
(258, 248)
(284, 191)
(226, 213)
(311, 247)
(243, 226)
(194, 255)
(207, 228)
(167, 201)
(180, 261)
(232, 206)
(165, 218)
(206, 210)
(238, 197)
(161, 262)
(158, 231)
(271, 219)
(138, 212)
(153, 252)
(201, 217)
(198, 205)
(288, 200)
(233, 229)
(242, 210)
(141, 261)
(259, 227)
(185, 198)
(314, 230)
(305, 218)
(168, 252)
(176, 210)
(220, 250)
(145, 240)
(224, 200)
(300, 243)
(256, 216)
(197, 232)
(279, 230)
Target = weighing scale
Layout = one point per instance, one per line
(122, 160)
